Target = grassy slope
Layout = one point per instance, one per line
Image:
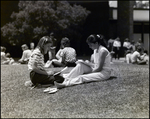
(126, 95)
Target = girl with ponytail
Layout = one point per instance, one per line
(87, 71)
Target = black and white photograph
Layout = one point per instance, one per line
(75, 59)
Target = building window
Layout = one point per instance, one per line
(138, 4)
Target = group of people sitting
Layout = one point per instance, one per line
(66, 55)
(97, 69)
(84, 71)
(7, 59)
(135, 54)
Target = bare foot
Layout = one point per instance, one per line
(59, 85)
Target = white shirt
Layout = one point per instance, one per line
(117, 43)
(135, 56)
(107, 58)
(126, 44)
(26, 54)
(3, 56)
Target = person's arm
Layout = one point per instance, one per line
(58, 54)
(139, 57)
(23, 56)
(41, 71)
(124, 44)
(101, 60)
(92, 58)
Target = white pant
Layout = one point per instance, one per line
(128, 58)
(82, 74)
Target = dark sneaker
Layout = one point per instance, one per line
(59, 78)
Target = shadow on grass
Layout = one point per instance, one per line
(111, 78)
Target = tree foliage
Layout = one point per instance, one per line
(38, 18)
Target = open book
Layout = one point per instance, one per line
(85, 62)
(57, 73)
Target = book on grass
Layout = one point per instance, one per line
(57, 73)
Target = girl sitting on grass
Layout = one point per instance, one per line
(85, 72)
(39, 74)
(66, 56)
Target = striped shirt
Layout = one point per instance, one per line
(37, 57)
(69, 54)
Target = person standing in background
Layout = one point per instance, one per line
(116, 48)
(126, 45)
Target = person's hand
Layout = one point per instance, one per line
(53, 60)
(50, 72)
(26, 60)
(87, 61)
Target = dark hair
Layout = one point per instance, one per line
(127, 39)
(132, 42)
(43, 41)
(24, 46)
(93, 38)
(3, 49)
(65, 42)
(139, 48)
(8, 55)
(145, 51)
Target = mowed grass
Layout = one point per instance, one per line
(124, 95)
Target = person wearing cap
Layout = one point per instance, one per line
(25, 55)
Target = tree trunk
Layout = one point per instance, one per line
(125, 20)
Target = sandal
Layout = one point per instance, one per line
(47, 90)
(53, 90)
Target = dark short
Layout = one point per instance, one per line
(41, 79)
(70, 64)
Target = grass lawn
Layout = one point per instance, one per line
(124, 95)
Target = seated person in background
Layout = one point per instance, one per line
(144, 58)
(49, 57)
(139, 43)
(67, 55)
(9, 59)
(31, 46)
(110, 48)
(133, 57)
(52, 51)
(3, 55)
(25, 55)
